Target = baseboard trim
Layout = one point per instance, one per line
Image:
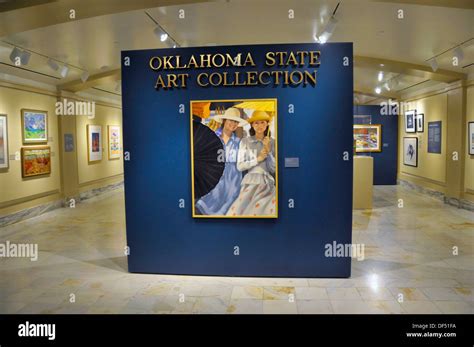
(459, 203)
(50, 206)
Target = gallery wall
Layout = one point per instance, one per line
(161, 233)
(385, 162)
(453, 105)
(95, 171)
(71, 173)
(15, 189)
(431, 169)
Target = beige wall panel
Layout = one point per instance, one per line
(431, 166)
(92, 172)
(12, 185)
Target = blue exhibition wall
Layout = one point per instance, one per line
(385, 162)
(164, 238)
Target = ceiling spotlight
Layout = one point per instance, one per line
(386, 86)
(174, 46)
(15, 55)
(163, 37)
(84, 76)
(458, 53)
(25, 57)
(52, 64)
(378, 90)
(64, 71)
(382, 65)
(434, 64)
(380, 76)
(328, 30)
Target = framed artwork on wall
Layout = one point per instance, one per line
(34, 126)
(368, 137)
(234, 158)
(113, 132)
(410, 121)
(35, 161)
(94, 143)
(420, 122)
(410, 151)
(3, 142)
(471, 137)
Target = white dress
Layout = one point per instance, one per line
(257, 195)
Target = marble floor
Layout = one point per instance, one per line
(409, 267)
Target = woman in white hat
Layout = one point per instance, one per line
(256, 157)
(218, 200)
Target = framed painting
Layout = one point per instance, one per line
(234, 158)
(94, 143)
(3, 142)
(410, 151)
(420, 122)
(34, 126)
(410, 121)
(115, 149)
(35, 161)
(368, 138)
(471, 137)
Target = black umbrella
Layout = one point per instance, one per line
(207, 168)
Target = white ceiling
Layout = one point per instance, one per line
(94, 44)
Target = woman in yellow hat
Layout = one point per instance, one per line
(256, 157)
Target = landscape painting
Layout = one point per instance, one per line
(35, 126)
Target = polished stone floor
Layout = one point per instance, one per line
(409, 267)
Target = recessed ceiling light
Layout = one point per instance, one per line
(380, 76)
(163, 37)
(378, 90)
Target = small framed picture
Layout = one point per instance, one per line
(94, 143)
(3, 142)
(368, 137)
(410, 151)
(420, 121)
(471, 138)
(114, 141)
(34, 126)
(35, 161)
(410, 121)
